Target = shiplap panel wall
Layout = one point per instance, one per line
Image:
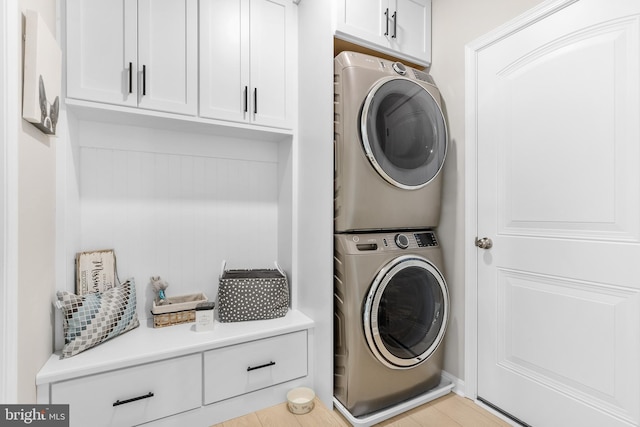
(178, 215)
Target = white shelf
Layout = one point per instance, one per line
(146, 344)
(100, 112)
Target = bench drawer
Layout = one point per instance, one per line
(238, 369)
(133, 395)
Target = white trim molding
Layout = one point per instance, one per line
(458, 384)
(472, 51)
(9, 124)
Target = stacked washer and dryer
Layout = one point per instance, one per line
(391, 300)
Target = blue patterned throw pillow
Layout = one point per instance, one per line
(91, 319)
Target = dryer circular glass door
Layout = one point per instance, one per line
(403, 132)
(406, 311)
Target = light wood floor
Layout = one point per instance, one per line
(448, 411)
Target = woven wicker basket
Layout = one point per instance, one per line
(177, 310)
(176, 318)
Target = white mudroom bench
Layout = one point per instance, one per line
(176, 376)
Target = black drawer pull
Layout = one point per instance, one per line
(253, 368)
(122, 402)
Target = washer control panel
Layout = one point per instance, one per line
(393, 241)
(410, 240)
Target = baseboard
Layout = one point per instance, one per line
(458, 384)
(459, 389)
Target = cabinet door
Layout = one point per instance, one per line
(367, 20)
(101, 51)
(270, 68)
(411, 28)
(224, 59)
(168, 55)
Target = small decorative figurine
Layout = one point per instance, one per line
(159, 286)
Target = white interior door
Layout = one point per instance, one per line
(558, 193)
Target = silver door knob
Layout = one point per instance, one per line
(484, 243)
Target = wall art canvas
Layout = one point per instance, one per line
(42, 75)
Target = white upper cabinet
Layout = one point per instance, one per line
(224, 59)
(168, 55)
(401, 28)
(411, 29)
(269, 66)
(98, 51)
(139, 53)
(366, 20)
(245, 74)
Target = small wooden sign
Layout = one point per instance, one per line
(95, 271)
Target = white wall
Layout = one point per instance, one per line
(315, 184)
(9, 121)
(456, 23)
(36, 234)
(173, 209)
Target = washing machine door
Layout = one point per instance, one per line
(403, 132)
(406, 311)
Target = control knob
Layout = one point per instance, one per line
(399, 68)
(402, 241)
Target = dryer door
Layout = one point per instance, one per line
(403, 132)
(406, 312)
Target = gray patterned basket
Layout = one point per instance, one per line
(252, 295)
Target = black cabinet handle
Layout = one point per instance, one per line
(395, 24)
(133, 399)
(386, 18)
(266, 365)
(246, 99)
(130, 77)
(144, 80)
(255, 100)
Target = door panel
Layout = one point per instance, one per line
(559, 195)
(412, 28)
(224, 59)
(364, 18)
(168, 49)
(558, 332)
(269, 68)
(101, 45)
(588, 115)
